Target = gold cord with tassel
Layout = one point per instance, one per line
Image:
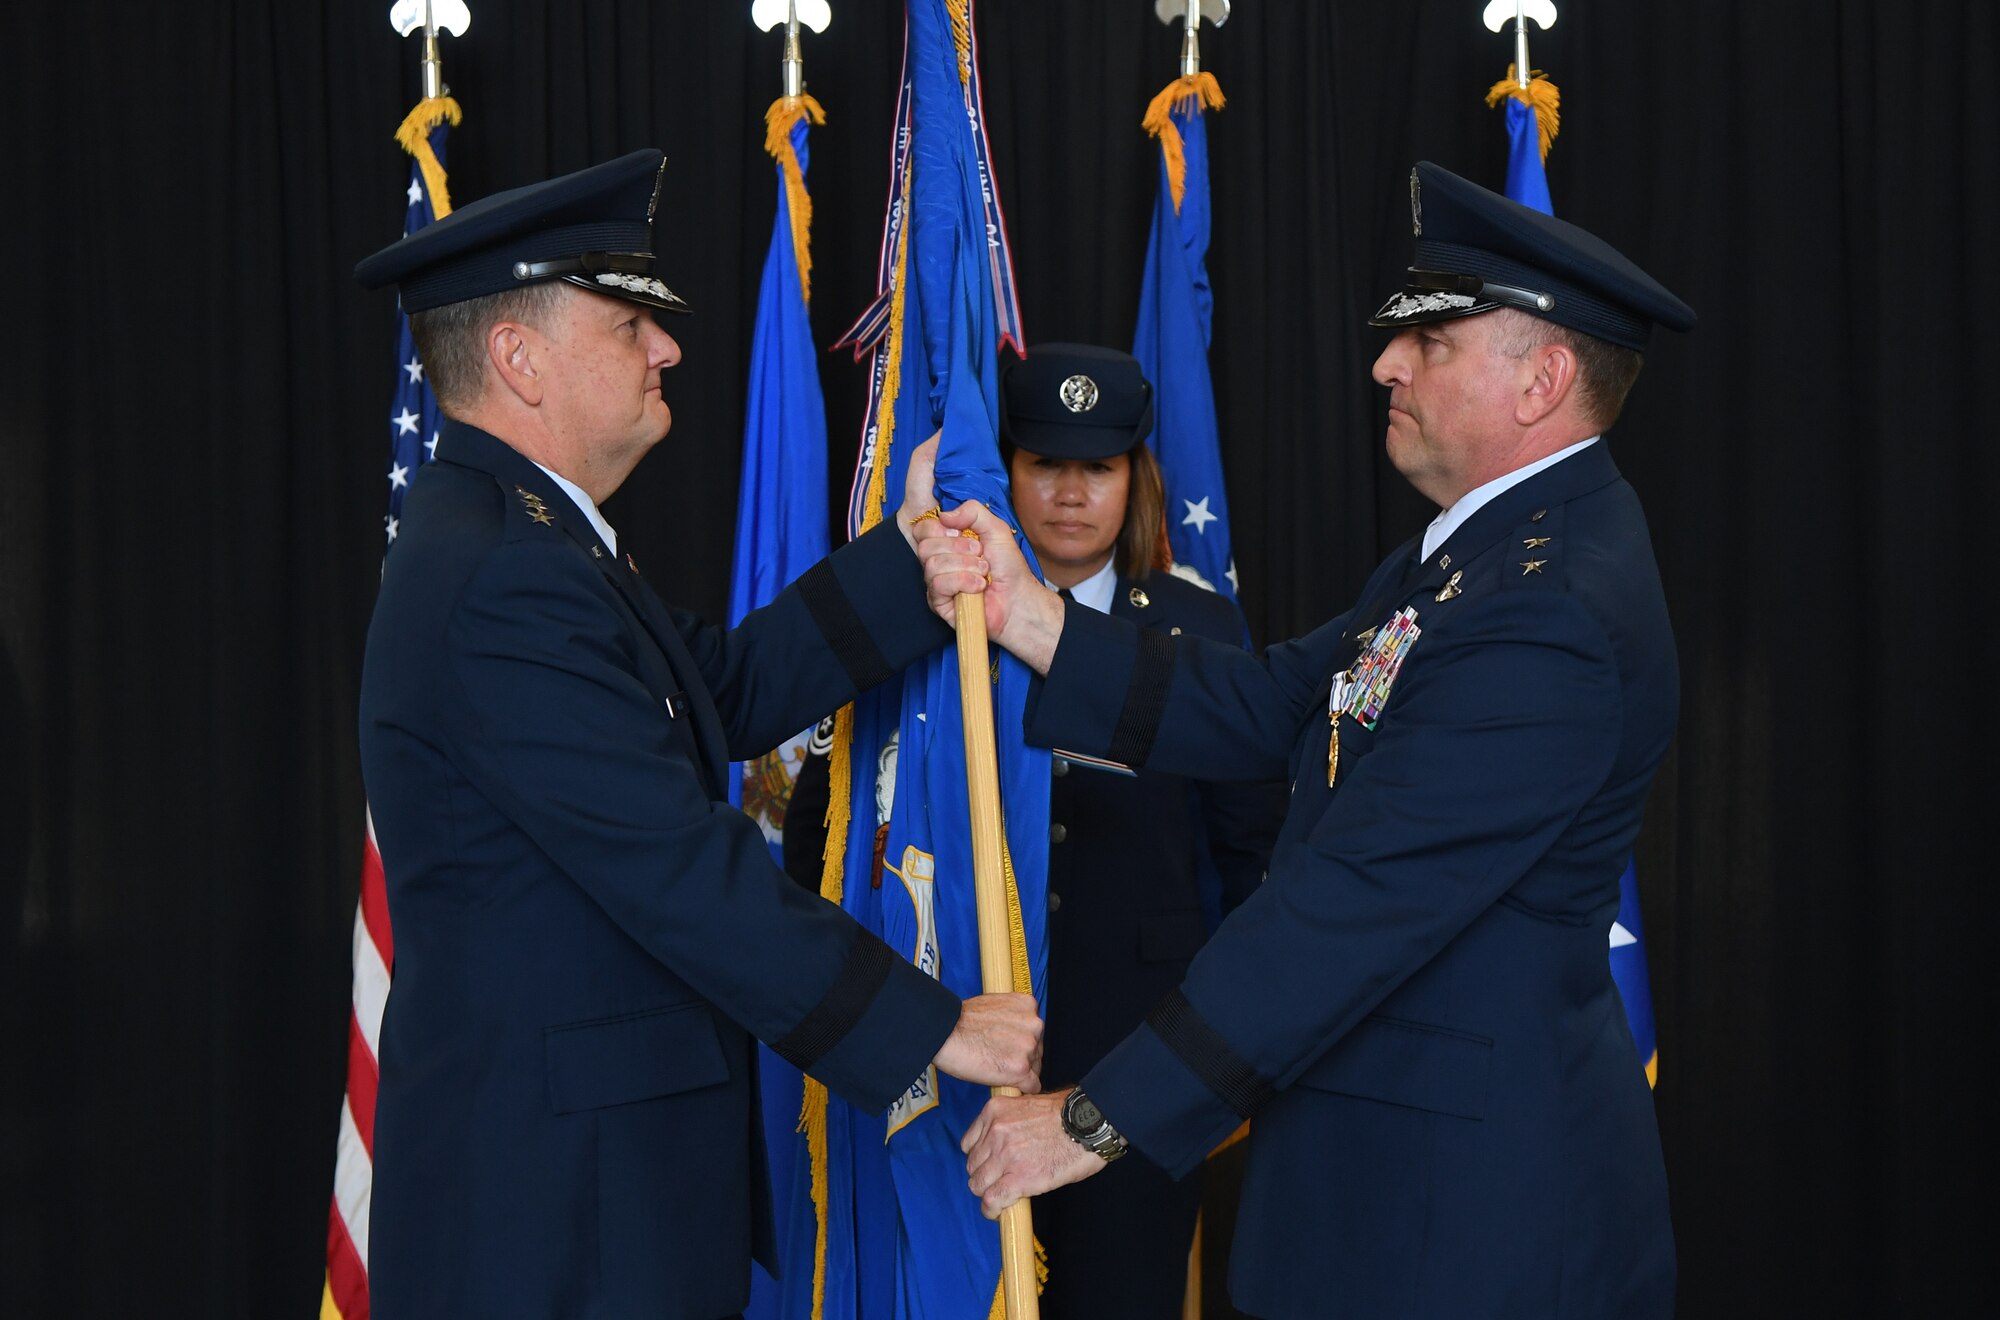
(414, 136)
(779, 120)
(1540, 95)
(1159, 122)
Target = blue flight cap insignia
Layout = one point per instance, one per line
(592, 228)
(1477, 250)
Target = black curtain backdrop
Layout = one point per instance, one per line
(192, 490)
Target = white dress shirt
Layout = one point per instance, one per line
(1097, 589)
(1469, 503)
(589, 507)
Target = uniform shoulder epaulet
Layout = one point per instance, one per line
(1533, 551)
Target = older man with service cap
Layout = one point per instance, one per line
(1416, 1008)
(587, 934)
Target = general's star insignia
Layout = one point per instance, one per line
(537, 511)
(1535, 542)
(1532, 566)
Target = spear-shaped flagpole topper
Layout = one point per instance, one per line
(1192, 12)
(407, 16)
(1499, 11)
(815, 14)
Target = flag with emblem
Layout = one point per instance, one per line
(1532, 123)
(413, 433)
(917, 1247)
(1176, 308)
(781, 532)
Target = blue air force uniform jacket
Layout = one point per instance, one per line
(1451, 1119)
(1125, 916)
(587, 935)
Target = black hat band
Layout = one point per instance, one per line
(1484, 290)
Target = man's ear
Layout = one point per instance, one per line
(511, 355)
(1554, 377)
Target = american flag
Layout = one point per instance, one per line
(413, 437)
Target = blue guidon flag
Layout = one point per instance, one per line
(900, 1235)
(1176, 308)
(781, 531)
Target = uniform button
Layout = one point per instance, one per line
(1055, 901)
(1060, 767)
(1057, 833)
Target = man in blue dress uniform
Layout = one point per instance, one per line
(1450, 1118)
(587, 934)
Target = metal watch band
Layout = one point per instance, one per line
(1101, 1139)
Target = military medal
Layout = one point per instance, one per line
(1375, 672)
(1333, 739)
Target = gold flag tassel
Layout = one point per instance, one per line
(840, 761)
(1159, 122)
(414, 136)
(779, 120)
(1540, 95)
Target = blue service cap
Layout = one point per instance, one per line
(1075, 401)
(593, 228)
(1477, 250)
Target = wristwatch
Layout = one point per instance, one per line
(1087, 1126)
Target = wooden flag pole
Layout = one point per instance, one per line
(996, 941)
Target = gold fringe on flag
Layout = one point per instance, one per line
(1540, 95)
(998, 1311)
(414, 136)
(785, 112)
(840, 761)
(961, 35)
(1159, 122)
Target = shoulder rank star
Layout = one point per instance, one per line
(537, 511)
(1532, 566)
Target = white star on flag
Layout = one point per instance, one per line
(415, 366)
(1620, 937)
(1198, 515)
(406, 422)
(416, 193)
(1234, 585)
(393, 522)
(398, 475)
(431, 445)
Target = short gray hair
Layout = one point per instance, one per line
(451, 339)
(1604, 371)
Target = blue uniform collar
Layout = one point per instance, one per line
(468, 446)
(1588, 470)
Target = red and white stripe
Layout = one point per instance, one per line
(346, 1296)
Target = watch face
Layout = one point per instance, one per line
(1087, 1115)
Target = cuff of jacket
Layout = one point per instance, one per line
(1162, 1105)
(876, 1030)
(867, 600)
(1105, 691)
